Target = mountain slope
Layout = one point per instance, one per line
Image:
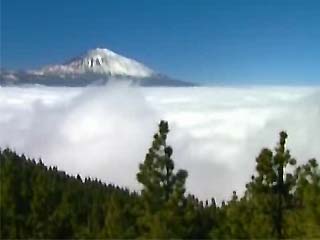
(97, 66)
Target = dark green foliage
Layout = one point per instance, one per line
(277, 203)
(41, 202)
(162, 196)
(280, 201)
(270, 191)
(304, 219)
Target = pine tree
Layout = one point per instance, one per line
(270, 191)
(163, 190)
(14, 195)
(304, 219)
(113, 227)
(37, 201)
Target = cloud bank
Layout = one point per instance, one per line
(216, 132)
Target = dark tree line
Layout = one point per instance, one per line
(282, 200)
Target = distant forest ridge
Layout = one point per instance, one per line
(37, 201)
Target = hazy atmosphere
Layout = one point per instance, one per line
(216, 132)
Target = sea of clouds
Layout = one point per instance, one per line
(105, 132)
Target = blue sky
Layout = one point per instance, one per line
(224, 42)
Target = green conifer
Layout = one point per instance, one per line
(163, 200)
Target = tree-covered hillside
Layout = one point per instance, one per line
(282, 200)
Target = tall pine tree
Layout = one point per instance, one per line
(162, 196)
(270, 192)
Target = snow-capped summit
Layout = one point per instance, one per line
(99, 61)
(95, 67)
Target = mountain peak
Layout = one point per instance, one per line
(100, 51)
(99, 61)
(95, 66)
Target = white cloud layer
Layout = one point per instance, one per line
(216, 132)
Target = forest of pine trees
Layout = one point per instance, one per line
(37, 201)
